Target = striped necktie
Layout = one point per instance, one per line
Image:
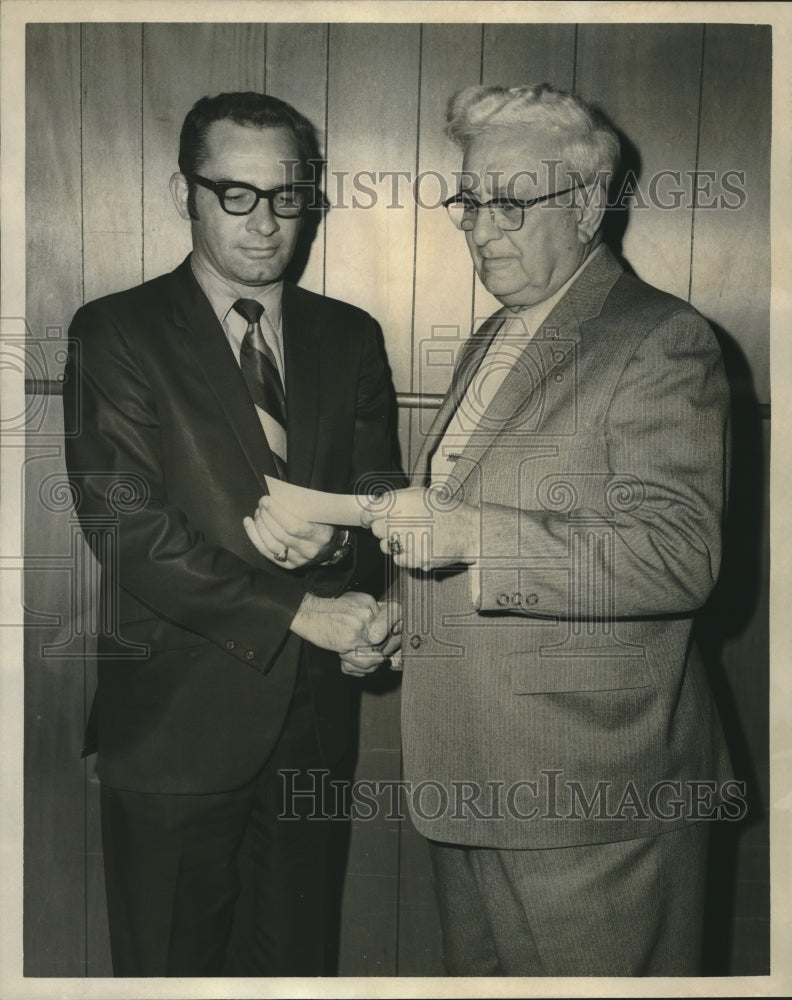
(263, 379)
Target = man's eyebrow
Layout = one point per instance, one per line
(497, 194)
(248, 184)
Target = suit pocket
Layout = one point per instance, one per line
(534, 673)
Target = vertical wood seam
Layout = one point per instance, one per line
(696, 161)
(264, 81)
(415, 257)
(86, 887)
(324, 152)
(472, 322)
(142, 152)
(574, 58)
(81, 29)
(397, 949)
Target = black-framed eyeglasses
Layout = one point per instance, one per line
(505, 213)
(239, 198)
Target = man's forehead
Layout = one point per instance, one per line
(230, 143)
(508, 161)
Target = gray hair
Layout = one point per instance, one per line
(577, 133)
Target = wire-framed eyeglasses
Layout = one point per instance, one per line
(505, 213)
(239, 198)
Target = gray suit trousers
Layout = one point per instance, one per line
(629, 908)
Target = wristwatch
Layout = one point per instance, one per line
(340, 544)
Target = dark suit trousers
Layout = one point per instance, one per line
(206, 885)
(630, 908)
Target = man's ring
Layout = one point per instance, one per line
(394, 544)
(282, 556)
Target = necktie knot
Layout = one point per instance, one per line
(249, 309)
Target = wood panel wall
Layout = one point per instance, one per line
(104, 106)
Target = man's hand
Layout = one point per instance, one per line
(286, 539)
(384, 639)
(337, 623)
(453, 529)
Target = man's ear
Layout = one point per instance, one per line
(590, 214)
(180, 190)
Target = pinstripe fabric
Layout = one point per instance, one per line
(632, 908)
(468, 363)
(600, 476)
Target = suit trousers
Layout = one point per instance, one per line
(217, 884)
(629, 908)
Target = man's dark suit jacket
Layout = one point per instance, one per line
(164, 446)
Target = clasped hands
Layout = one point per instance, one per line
(361, 630)
(417, 530)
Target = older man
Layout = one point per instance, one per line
(556, 716)
(190, 390)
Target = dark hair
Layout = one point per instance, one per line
(245, 108)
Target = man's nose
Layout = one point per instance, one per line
(485, 228)
(262, 219)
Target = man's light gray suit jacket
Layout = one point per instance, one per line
(570, 706)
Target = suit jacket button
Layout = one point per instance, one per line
(533, 599)
(415, 641)
(230, 644)
(517, 599)
(504, 600)
(249, 654)
(559, 376)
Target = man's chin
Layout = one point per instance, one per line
(260, 275)
(502, 289)
(511, 293)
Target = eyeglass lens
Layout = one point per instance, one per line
(241, 201)
(505, 215)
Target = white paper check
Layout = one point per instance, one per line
(313, 505)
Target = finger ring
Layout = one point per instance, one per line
(282, 556)
(394, 544)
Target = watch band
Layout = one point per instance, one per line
(341, 544)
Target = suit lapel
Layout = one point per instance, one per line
(208, 345)
(301, 348)
(470, 358)
(518, 404)
(521, 398)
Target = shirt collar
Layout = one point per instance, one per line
(222, 295)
